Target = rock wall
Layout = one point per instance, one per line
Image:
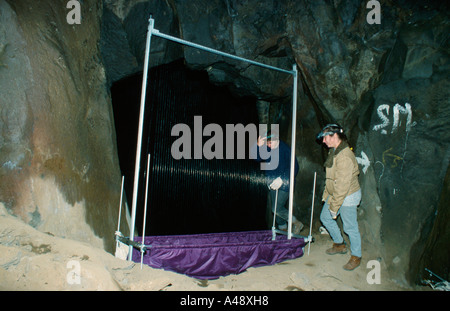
(59, 166)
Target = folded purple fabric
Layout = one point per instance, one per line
(212, 255)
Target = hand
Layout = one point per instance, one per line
(261, 141)
(276, 184)
(333, 214)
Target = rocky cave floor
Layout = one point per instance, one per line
(33, 260)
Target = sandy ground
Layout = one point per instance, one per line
(315, 271)
(32, 260)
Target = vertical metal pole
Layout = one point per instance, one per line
(294, 129)
(120, 211)
(145, 207)
(274, 216)
(139, 140)
(312, 212)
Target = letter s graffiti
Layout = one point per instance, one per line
(383, 117)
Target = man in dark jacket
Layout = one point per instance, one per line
(278, 177)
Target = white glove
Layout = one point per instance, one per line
(276, 184)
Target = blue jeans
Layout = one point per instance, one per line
(350, 223)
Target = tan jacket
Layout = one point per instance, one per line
(341, 176)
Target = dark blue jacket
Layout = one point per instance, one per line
(284, 164)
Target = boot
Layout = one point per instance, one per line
(297, 226)
(353, 263)
(337, 249)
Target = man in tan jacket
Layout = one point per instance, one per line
(342, 194)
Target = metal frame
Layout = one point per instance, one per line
(152, 31)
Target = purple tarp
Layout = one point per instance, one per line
(209, 256)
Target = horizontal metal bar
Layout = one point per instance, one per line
(161, 35)
(306, 239)
(129, 242)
